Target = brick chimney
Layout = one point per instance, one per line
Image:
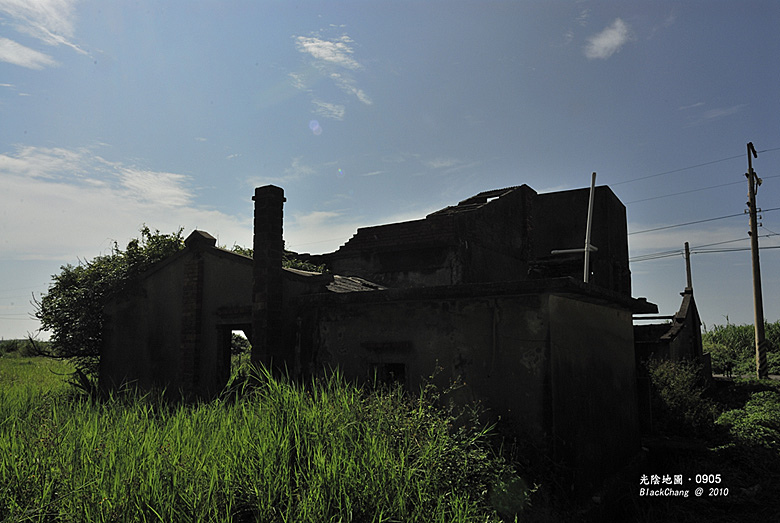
(267, 275)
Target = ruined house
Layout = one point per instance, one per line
(472, 289)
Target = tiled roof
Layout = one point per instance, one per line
(342, 284)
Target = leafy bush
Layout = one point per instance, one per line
(678, 401)
(72, 309)
(758, 423)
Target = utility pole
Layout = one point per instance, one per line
(758, 303)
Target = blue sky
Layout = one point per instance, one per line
(116, 114)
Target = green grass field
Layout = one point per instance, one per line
(329, 452)
(272, 451)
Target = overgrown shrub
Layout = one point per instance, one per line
(758, 423)
(679, 404)
(72, 308)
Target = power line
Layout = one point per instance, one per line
(696, 190)
(690, 167)
(697, 221)
(700, 249)
(686, 223)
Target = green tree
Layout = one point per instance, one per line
(733, 348)
(72, 309)
(290, 259)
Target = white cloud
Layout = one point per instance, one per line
(318, 231)
(50, 21)
(326, 231)
(17, 54)
(336, 52)
(329, 110)
(64, 204)
(609, 41)
(347, 85)
(166, 189)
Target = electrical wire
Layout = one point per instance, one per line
(699, 221)
(686, 223)
(700, 249)
(691, 167)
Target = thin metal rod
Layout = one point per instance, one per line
(586, 270)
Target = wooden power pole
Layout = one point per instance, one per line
(758, 303)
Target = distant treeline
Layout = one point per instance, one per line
(24, 348)
(733, 348)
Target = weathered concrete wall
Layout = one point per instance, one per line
(142, 333)
(556, 367)
(594, 396)
(560, 220)
(227, 284)
(497, 346)
(164, 332)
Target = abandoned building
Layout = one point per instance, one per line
(472, 289)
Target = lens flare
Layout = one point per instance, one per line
(314, 125)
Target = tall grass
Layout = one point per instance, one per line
(275, 452)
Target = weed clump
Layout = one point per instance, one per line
(679, 402)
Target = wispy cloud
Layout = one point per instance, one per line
(329, 110)
(442, 163)
(720, 112)
(17, 54)
(49, 21)
(332, 58)
(348, 85)
(298, 169)
(167, 189)
(66, 202)
(692, 106)
(583, 16)
(712, 115)
(609, 41)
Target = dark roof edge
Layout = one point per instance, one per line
(560, 286)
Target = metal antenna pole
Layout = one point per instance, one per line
(588, 247)
(586, 270)
(688, 265)
(758, 302)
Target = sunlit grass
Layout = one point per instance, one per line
(38, 374)
(273, 452)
